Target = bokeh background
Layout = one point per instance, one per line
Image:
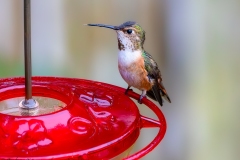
(195, 43)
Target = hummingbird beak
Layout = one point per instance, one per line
(104, 25)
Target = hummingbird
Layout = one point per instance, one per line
(136, 66)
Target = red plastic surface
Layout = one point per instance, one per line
(99, 121)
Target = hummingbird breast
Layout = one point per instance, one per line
(132, 69)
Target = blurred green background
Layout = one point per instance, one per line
(195, 43)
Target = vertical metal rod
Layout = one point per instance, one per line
(27, 49)
(28, 106)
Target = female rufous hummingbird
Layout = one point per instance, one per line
(135, 65)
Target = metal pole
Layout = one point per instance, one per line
(28, 104)
(27, 49)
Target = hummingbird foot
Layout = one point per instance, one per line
(126, 91)
(143, 95)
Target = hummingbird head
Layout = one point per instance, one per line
(130, 35)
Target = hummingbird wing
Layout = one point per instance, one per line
(158, 90)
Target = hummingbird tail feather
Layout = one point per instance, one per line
(154, 93)
(157, 92)
(164, 93)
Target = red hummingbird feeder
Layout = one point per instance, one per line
(70, 118)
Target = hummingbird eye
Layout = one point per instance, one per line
(129, 31)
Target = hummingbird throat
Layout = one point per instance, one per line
(120, 45)
(127, 44)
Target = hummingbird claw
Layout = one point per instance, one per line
(142, 96)
(140, 99)
(126, 91)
